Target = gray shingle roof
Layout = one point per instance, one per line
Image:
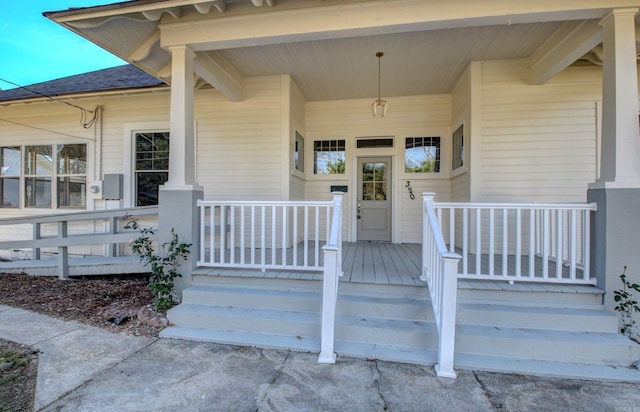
(114, 78)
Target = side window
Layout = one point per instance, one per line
(151, 166)
(72, 175)
(422, 155)
(329, 157)
(457, 159)
(10, 176)
(298, 153)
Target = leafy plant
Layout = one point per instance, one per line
(626, 304)
(164, 266)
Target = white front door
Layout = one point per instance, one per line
(374, 199)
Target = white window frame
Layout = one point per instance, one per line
(130, 130)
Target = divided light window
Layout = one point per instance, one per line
(422, 155)
(45, 171)
(151, 166)
(329, 157)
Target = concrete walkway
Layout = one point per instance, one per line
(83, 368)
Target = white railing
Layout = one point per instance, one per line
(285, 235)
(520, 241)
(332, 272)
(439, 270)
(52, 231)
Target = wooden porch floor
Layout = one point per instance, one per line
(378, 263)
(362, 262)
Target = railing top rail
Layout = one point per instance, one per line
(555, 206)
(80, 216)
(264, 203)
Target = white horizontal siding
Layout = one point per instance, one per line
(538, 142)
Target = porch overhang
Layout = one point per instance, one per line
(329, 48)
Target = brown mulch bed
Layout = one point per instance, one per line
(97, 301)
(92, 300)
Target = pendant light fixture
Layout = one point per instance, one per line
(379, 106)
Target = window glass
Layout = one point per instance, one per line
(368, 143)
(10, 176)
(151, 166)
(422, 155)
(37, 191)
(298, 153)
(457, 159)
(72, 159)
(374, 181)
(329, 157)
(38, 160)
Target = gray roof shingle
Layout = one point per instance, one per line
(114, 78)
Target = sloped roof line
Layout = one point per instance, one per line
(112, 79)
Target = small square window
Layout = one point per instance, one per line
(329, 157)
(422, 155)
(457, 159)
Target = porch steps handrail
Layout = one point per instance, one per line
(519, 240)
(440, 271)
(62, 240)
(332, 271)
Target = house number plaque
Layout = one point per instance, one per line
(410, 189)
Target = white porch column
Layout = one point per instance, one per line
(620, 161)
(178, 197)
(182, 139)
(614, 237)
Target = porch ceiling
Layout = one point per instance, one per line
(330, 65)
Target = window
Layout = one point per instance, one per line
(72, 175)
(422, 155)
(329, 157)
(10, 176)
(457, 159)
(151, 166)
(298, 153)
(381, 142)
(47, 170)
(38, 175)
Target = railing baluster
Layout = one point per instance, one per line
(306, 236)
(263, 238)
(532, 243)
(518, 242)
(232, 234)
(284, 236)
(545, 243)
(295, 236)
(559, 243)
(465, 241)
(478, 241)
(253, 235)
(316, 241)
(273, 235)
(242, 235)
(491, 240)
(452, 230)
(573, 227)
(505, 239)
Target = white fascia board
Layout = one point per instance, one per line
(316, 22)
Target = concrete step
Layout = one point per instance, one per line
(547, 345)
(585, 319)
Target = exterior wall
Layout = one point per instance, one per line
(406, 117)
(539, 143)
(239, 145)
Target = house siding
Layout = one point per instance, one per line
(407, 116)
(538, 142)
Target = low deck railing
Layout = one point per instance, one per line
(111, 235)
(439, 270)
(285, 235)
(528, 242)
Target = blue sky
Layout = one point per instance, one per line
(34, 49)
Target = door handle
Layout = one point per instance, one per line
(359, 216)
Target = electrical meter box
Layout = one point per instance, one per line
(112, 187)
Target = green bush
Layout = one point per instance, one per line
(626, 304)
(164, 266)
